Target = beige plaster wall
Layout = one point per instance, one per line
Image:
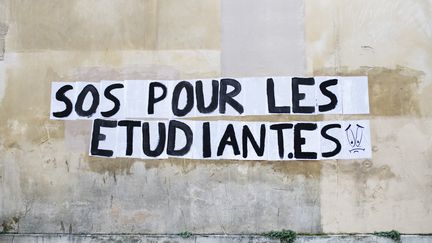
(390, 41)
(48, 183)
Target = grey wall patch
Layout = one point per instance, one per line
(263, 37)
(259, 38)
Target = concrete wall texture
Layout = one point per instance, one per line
(48, 183)
(58, 238)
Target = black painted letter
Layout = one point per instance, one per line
(200, 97)
(146, 140)
(247, 135)
(97, 136)
(228, 138)
(173, 125)
(299, 140)
(80, 101)
(297, 96)
(279, 128)
(151, 99)
(331, 138)
(129, 133)
(114, 99)
(272, 108)
(229, 97)
(60, 96)
(189, 98)
(333, 98)
(206, 140)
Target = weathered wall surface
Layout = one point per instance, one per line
(390, 41)
(48, 183)
(60, 238)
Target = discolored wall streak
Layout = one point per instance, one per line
(48, 183)
(392, 92)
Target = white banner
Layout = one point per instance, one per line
(231, 139)
(170, 99)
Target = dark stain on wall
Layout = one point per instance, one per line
(3, 32)
(392, 92)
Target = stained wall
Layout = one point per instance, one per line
(48, 183)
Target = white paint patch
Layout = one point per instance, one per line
(243, 169)
(17, 128)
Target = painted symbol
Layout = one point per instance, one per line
(355, 139)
